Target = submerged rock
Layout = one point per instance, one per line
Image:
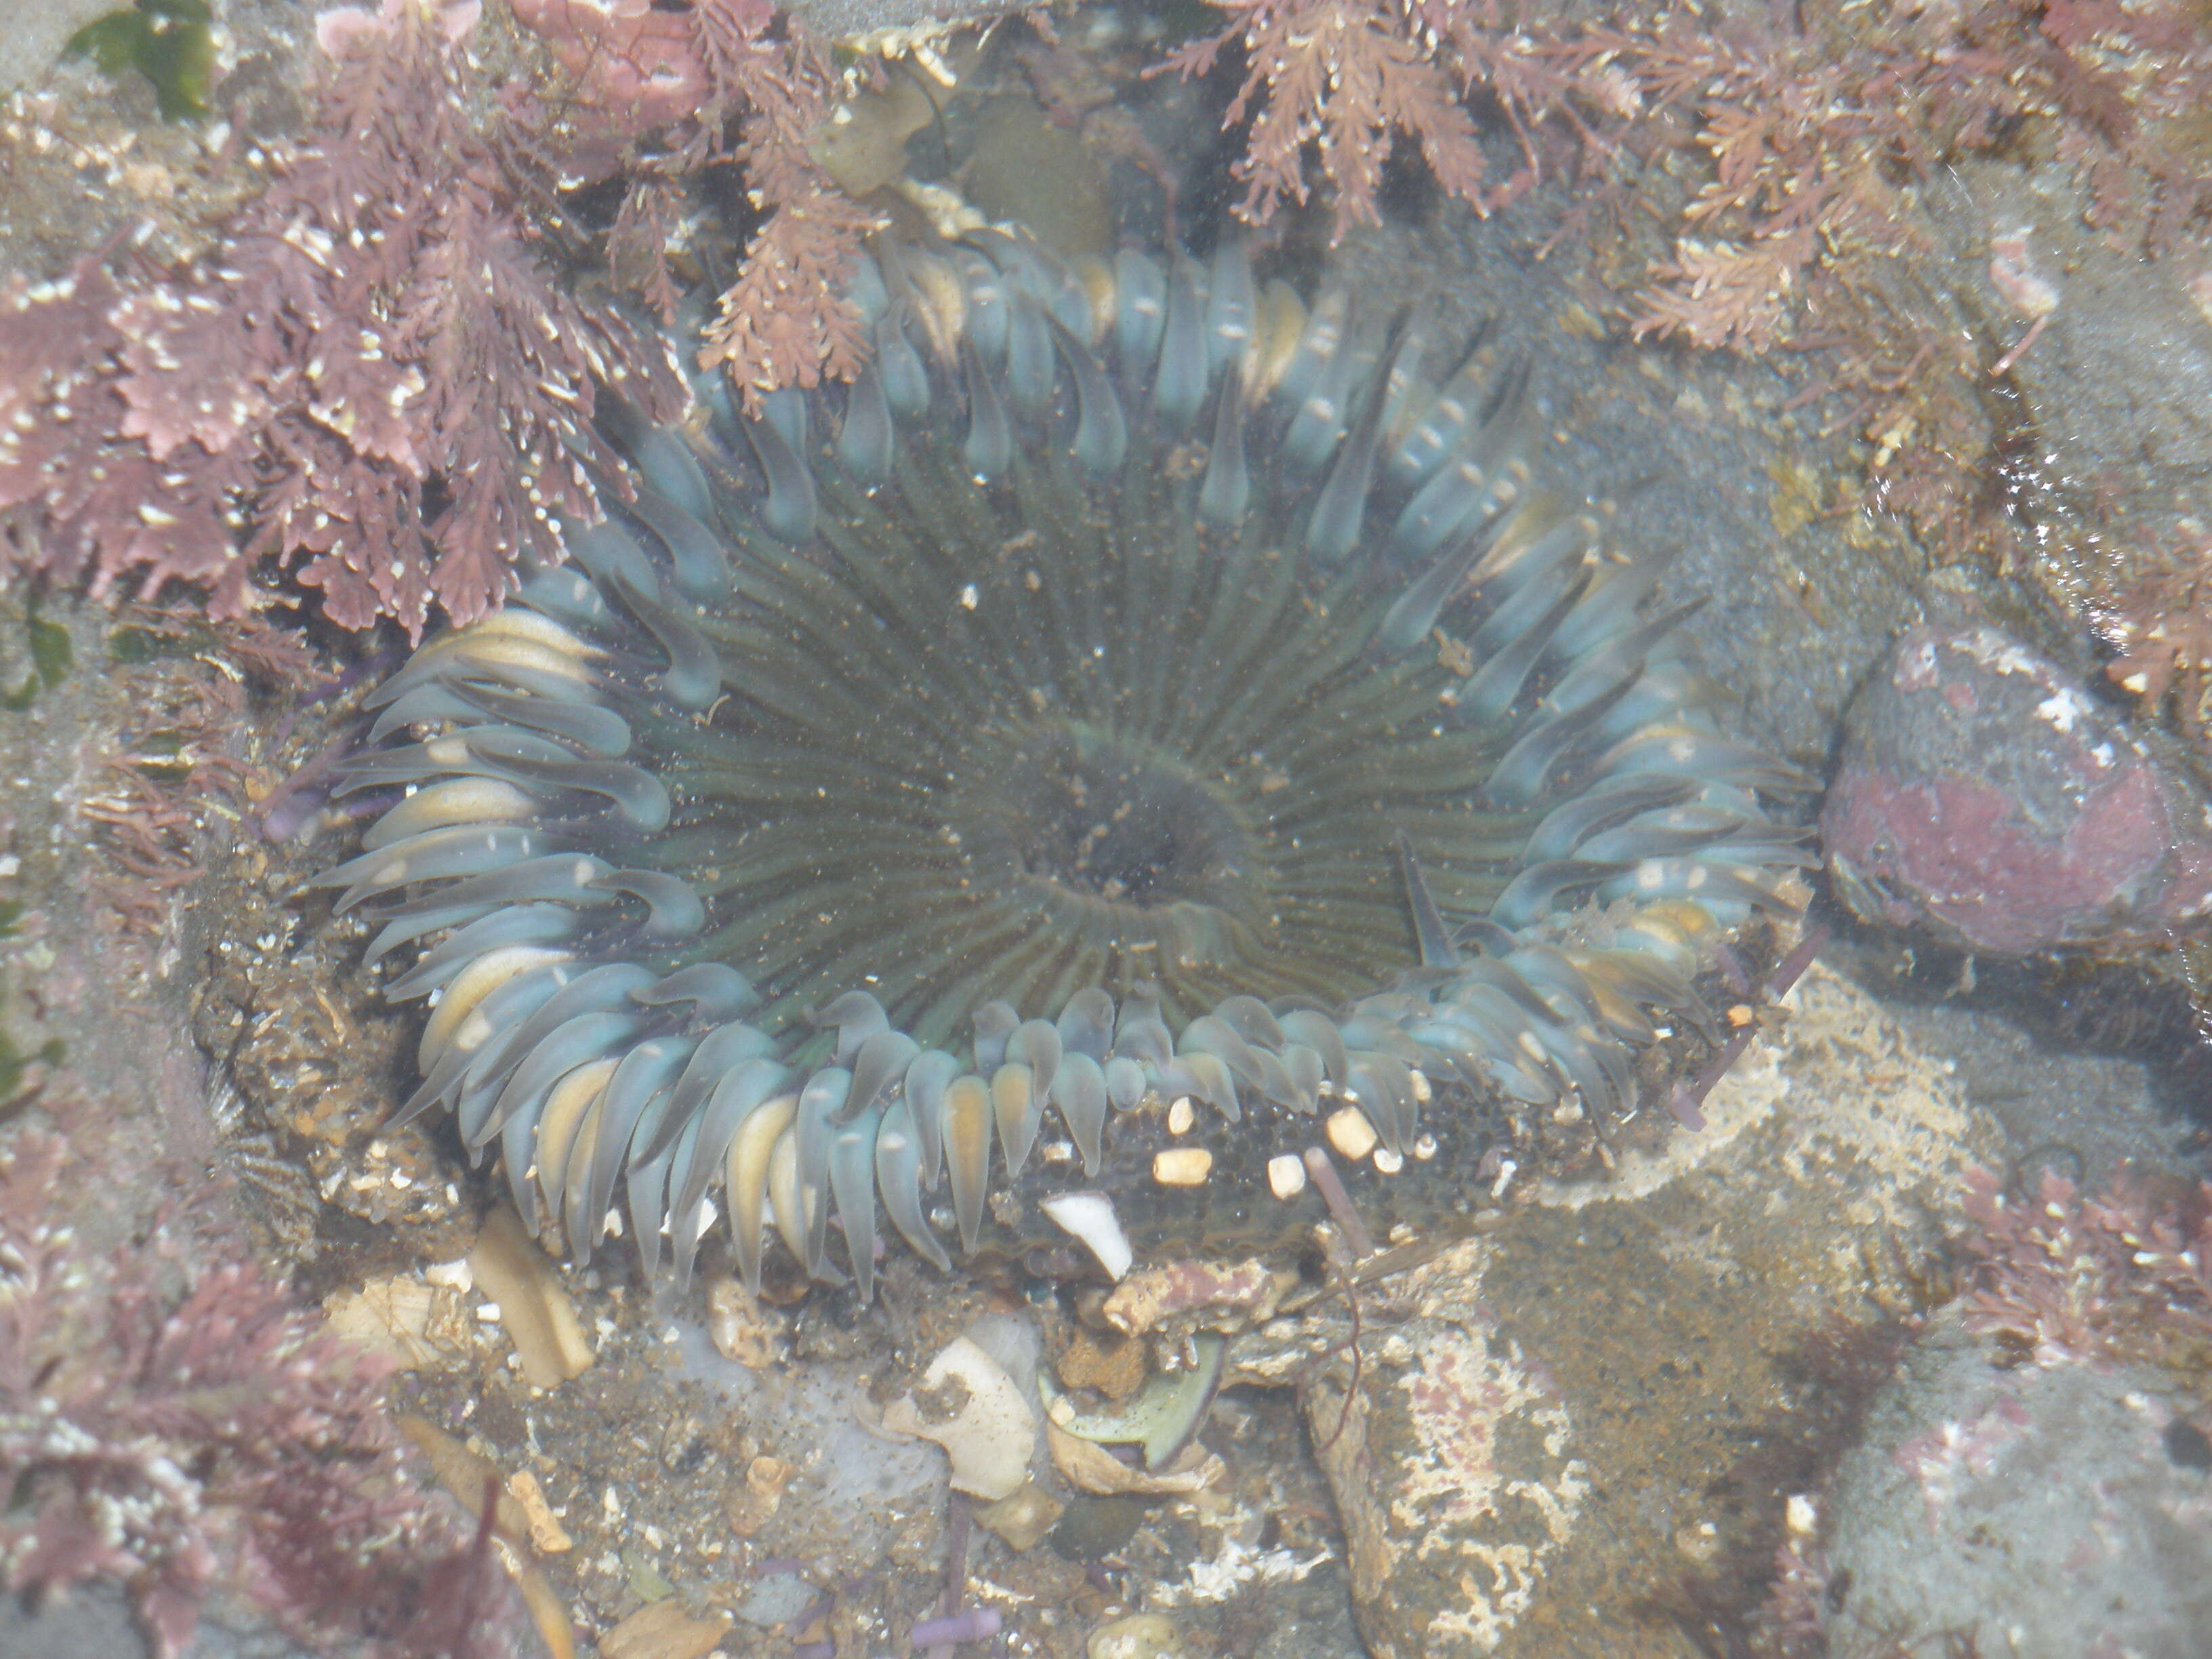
(1453, 1467)
(2038, 1512)
(1984, 798)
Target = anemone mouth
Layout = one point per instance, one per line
(1116, 826)
(1096, 771)
(1120, 849)
(1052, 733)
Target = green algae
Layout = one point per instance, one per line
(51, 659)
(170, 42)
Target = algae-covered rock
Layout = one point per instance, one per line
(2038, 1512)
(1454, 1472)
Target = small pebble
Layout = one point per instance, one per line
(1182, 1166)
(776, 1600)
(1144, 1636)
(1022, 1517)
(1351, 1134)
(663, 1630)
(1095, 1527)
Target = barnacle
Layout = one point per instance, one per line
(1138, 692)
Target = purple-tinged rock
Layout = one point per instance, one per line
(2043, 1511)
(1984, 798)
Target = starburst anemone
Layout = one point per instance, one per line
(1143, 720)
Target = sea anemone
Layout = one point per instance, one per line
(1141, 690)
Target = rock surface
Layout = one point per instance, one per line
(1557, 1417)
(2040, 1513)
(34, 33)
(1453, 1474)
(1984, 797)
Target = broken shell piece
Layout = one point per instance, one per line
(1090, 1217)
(1183, 1166)
(1181, 1115)
(1089, 1466)
(452, 1275)
(1163, 1417)
(417, 1325)
(547, 1535)
(1286, 1176)
(1388, 1162)
(540, 1320)
(741, 1328)
(751, 1501)
(969, 1404)
(1141, 1636)
(1023, 1516)
(1351, 1134)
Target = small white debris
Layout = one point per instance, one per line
(1388, 1162)
(2062, 708)
(1236, 1565)
(1181, 1115)
(1286, 1176)
(454, 1275)
(1090, 1218)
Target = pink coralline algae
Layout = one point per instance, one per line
(1984, 798)
(187, 1432)
(371, 379)
(2041, 1493)
(1936, 1457)
(666, 91)
(636, 62)
(2122, 1277)
(1452, 1461)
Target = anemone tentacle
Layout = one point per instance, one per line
(1138, 688)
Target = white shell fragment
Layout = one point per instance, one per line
(1286, 1176)
(1090, 1218)
(1388, 1162)
(987, 1429)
